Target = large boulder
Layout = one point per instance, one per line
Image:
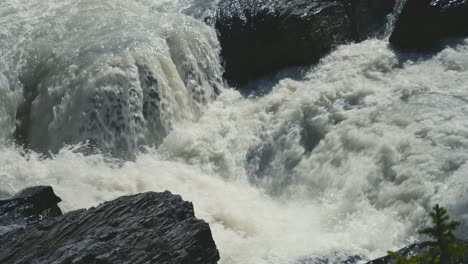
(29, 206)
(259, 37)
(423, 23)
(145, 228)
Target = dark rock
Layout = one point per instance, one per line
(411, 251)
(453, 16)
(29, 206)
(423, 23)
(259, 37)
(369, 17)
(144, 228)
(417, 27)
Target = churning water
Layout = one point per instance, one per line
(345, 161)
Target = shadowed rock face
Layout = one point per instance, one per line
(369, 17)
(259, 37)
(145, 228)
(29, 206)
(423, 23)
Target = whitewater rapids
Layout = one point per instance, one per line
(347, 159)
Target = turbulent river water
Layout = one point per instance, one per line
(345, 160)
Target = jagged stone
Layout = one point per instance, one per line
(145, 228)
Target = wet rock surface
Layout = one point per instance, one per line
(29, 206)
(145, 228)
(423, 23)
(259, 37)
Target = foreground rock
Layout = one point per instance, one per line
(259, 37)
(410, 251)
(145, 228)
(29, 206)
(423, 23)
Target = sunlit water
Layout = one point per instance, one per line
(348, 159)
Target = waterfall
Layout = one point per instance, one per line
(344, 161)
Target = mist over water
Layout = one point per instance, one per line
(345, 161)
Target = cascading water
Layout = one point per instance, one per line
(392, 18)
(117, 75)
(347, 160)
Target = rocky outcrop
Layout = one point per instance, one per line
(410, 251)
(29, 206)
(144, 228)
(259, 37)
(423, 23)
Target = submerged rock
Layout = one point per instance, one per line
(145, 228)
(336, 258)
(423, 23)
(29, 206)
(259, 37)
